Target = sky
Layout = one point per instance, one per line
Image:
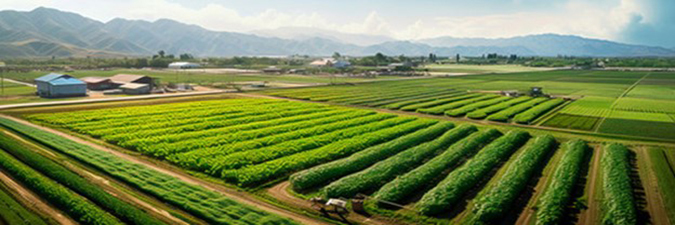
(646, 22)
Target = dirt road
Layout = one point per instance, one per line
(34, 200)
(235, 195)
(590, 216)
(280, 192)
(658, 211)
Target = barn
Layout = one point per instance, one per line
(56, 85)
(121, 79)
(98, 83)
(135, 88)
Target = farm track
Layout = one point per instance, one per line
(280, 192)
(591, 215)
(615, 137)
(529, 211)
(611, 108)
(235, 195)
(104, 183)
(35, 201)
(658, 211)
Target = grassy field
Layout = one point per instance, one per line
(604, 101)
(475, 69)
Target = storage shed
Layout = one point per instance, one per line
(98, 83)
(121, 79)
(183, 65)
(56, 85)
(135, 89)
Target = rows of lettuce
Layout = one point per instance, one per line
(435, 101)
(447, 163)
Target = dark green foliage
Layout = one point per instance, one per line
(532, 114)
(326, 172)
(399, 189)
(382, 172)
(449, 191)
(119, 208)
(618, 200)
(494, 204)
(558, 194)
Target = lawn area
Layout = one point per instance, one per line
(466, 68)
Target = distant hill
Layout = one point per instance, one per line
(46, 32)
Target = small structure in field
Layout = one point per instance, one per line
(327, 62)
(342, 64)
(135, 88)
(98, 83)
(273, 70)
(121, 79)
(183, 65)
(56, 85)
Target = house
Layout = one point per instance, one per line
(404, 66)
(342, 64)
(121, 79)
(327, 62)
(183, 65)
(98, 83)
(135, 88)
(56, 85)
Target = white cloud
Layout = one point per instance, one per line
(577, 17)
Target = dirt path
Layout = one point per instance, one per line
(34, 200)
(590, 216)
(280, 192)
(18, 82)
(658, 211)
(526, 215)
(235, 195)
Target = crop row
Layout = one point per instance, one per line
(504, 115)
(283, 166)
(499, 197)
(531, 114)
(453, 98)
(557, 195)
(206, 204)
(73, 181)
(205, 159)
(484, 112)
(572, 121)
(405, 186)
(449, 191)
(182, 142)
(618, 201)
(474, 106)
(438, 110)
(403, 103)
(380, 173)
(248, 158)
(324, 173)
(74, 205)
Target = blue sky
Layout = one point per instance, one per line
(649, 22)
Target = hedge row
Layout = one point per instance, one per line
(325, 173)
(122, 210)
(618, 200)
(449, 191)
(382, 172)
(559, 192)
(497, 201)
(399, 189)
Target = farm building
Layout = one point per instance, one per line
(56, 85)
(98, 83)
(121, 79)
(273, 69)
(342, 64)
(183, 65)
(328, 62)
(135, 88)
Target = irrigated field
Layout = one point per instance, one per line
(440, 171)
(604, 101)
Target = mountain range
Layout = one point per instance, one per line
(46, 32)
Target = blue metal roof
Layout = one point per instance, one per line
(49, 77)
(66, 81)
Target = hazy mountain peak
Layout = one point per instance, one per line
(303, 33)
